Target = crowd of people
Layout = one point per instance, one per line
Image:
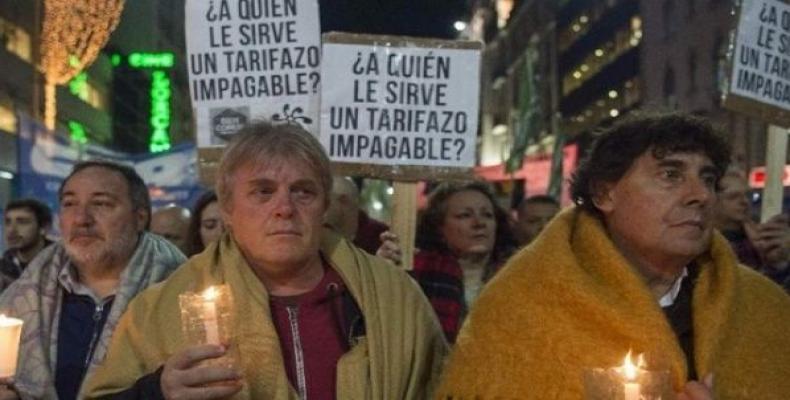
(659, 254)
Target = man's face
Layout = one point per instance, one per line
(21, 229)
(659, 213)
(99, 225)
(532, 217)
(733, 204)
(173, 225)
(275, 215)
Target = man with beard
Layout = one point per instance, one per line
(636, 265)
(26, 222)
(73, 294)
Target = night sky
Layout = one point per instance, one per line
(424, 18)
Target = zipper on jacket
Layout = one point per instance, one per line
(301, 379)
(97, 315)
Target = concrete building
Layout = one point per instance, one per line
(91, 105)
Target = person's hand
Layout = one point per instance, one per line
(7, 391)
(390, 247)
(184, 378)
(771, 239)
(695, 390)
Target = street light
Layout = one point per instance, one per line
(459, 26)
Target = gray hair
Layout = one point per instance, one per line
(261, 142)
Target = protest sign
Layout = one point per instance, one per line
(759, 83)
(396, 107)
(250, 60)
(759, 80)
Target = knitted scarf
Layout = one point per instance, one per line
(570, 301)
(36, 298)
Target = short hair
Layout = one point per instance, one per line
(538, 199)
(261, 142)
(429, 236)
(138, 192)
(40, 210)
(196, 244)
(616, 149)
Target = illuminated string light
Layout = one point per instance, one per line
(73, 33)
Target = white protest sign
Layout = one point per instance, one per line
(400, 105)
(252, 59)
(761, 61)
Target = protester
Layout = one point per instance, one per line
(172, 223)
(636, 265)
(73, 293)
(316, 317)
(534, 213)
(205, 225)
(764, 247)
(463, 238)
(347, 218)
(25, 226)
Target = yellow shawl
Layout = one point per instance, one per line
(570, 301)
(399, 358)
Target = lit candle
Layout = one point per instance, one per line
(210, 315)
(10, 332)
(630, 372)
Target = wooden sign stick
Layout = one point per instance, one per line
(404, 219)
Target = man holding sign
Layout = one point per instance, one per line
(316, 317)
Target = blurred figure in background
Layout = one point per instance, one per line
(172, 223)
(347, 218)
(764, 247)
(534, 213)
(463, 238)
(25, 226)
(205, 225)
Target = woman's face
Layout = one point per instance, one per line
(469, 226)
(211, 226)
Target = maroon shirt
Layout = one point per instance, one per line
(309, 327)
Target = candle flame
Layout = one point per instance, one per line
(630, 370)
(210, 294)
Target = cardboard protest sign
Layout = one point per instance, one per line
(759, 83)
(251, 59)
(759, 80)
(398, 107)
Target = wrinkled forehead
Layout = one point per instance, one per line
(277, 168)
(96, 180)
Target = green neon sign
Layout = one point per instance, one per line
(151, 60)
(160, 112)
(77, 132)
(78, 86)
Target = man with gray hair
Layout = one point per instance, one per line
(73, 293)
(315, 317)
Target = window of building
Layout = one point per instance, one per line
(669, 88)
(718, 61)
(7, 117)
(16, 40)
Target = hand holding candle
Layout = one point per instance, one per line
(10, 333)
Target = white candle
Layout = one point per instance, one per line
(630, 372)
(10, 333)
(632, 391)
(210, 315)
